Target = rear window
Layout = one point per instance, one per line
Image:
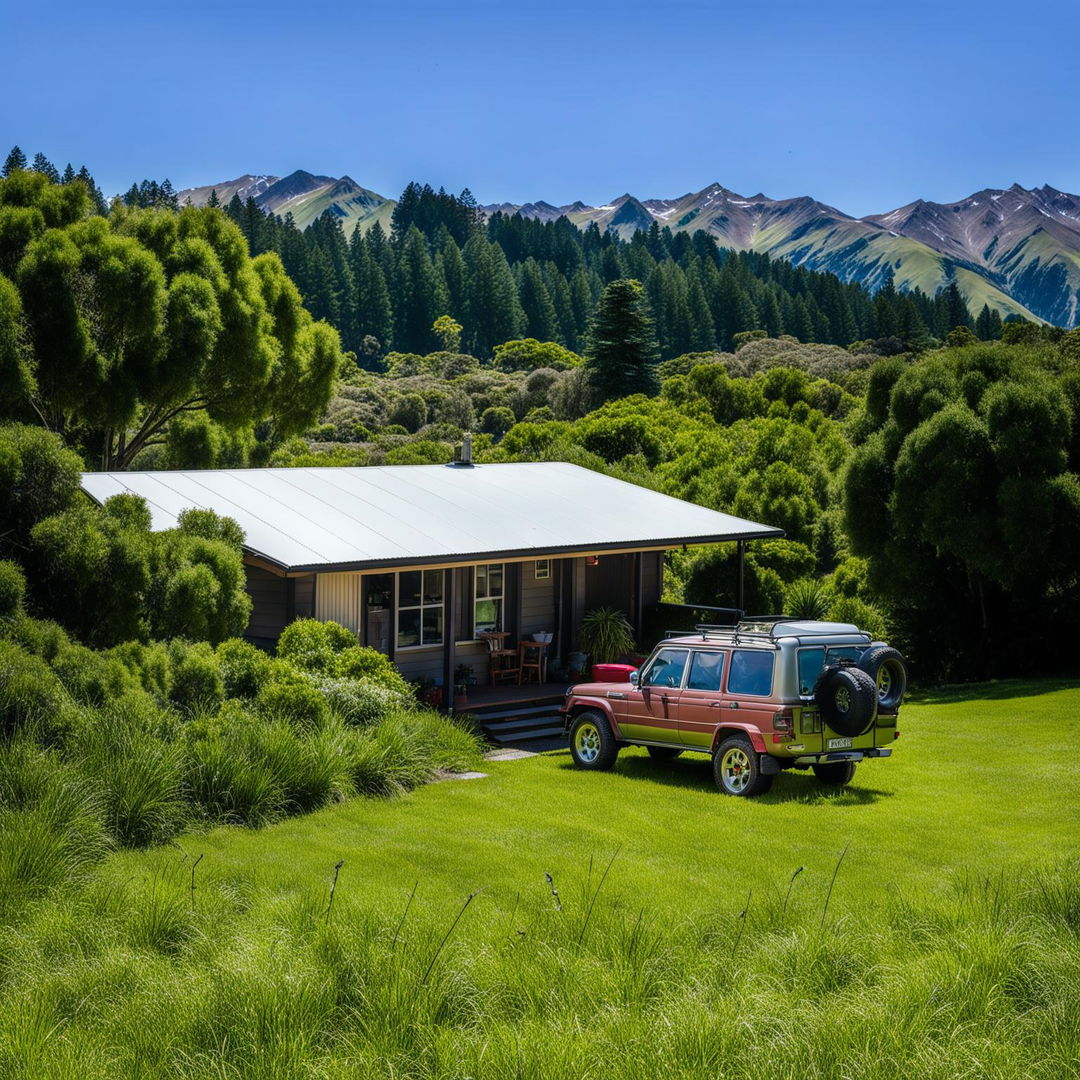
(706, 671)
(751, 672)
(811, 661)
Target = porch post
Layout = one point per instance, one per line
(639, 592)
(449, 638)
(740, 594)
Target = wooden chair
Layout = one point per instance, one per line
(503, 663)
(531, 659)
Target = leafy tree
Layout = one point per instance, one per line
(139, 319)
(622, 350)
(448, 331)
(528, 354)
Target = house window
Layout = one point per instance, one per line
(542, 570)
(488, 598)
(420, 608)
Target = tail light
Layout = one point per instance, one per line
(783, 720)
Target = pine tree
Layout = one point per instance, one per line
(16, 159)
(454, 273)
(988, 324)
(213, 200)
(494, 314)
(69, 174)
(622, 350)
(418, 301)
(540, 319)
(956, 309)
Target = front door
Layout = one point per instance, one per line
(701, 707)
(652, 706)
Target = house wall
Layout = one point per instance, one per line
(337, 599)
(269, 604)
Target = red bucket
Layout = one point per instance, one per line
(612, 672)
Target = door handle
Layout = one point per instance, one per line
(714, 704)
(733, 704)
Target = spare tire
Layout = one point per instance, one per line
(889, 671)
(847, 698)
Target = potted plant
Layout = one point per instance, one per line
(463, 679)
(607, 635)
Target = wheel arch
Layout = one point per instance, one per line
(581, 705)
(755, 736)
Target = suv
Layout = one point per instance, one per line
(760, 697)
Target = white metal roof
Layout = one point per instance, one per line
(354, 518)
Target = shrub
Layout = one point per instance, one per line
(312, 645)
(295, 701)
(850, 609)
(807, 598)
(93, 678)
(361, 662)
(150, 664)
(310, 771)
(497, 420)
(30, 694)
(229, 785)
(12, 590)
(40, 636)
(362, 702)
(196, 679)
(244, 668)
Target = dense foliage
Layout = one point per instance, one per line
(117, 332)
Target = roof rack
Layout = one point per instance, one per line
(763, 628)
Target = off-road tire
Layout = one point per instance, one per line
(663, 753)
(889, 671)
(592, 742)
(848, 700)
(835, 773)
(737, 768)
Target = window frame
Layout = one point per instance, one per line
(422, 607)
(694, 654)
(731, 667)
(642, 685)
(488, 596)
(541, 569)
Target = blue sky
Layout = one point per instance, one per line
(864, 105)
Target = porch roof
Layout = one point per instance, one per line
(318, 519)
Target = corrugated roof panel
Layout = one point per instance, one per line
(336, 517)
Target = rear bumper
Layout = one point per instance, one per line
(843, 755)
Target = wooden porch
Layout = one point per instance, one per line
(517, 714)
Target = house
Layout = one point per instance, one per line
(419, 559)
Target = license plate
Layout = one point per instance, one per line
(839, 744)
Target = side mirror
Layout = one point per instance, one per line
(635, 678)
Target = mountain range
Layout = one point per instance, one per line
(1016, 249)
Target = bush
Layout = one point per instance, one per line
(850, 609)
(196, 678)
(40, 636)
(807, 598)
(312, 645)
(12, 590)
(362, 702)
(30, 694)
(93, 678)
(295, 701)
(244, 668)
(361, 662)
(150, 664)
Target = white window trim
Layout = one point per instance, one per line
(546, 574)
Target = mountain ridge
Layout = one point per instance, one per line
(1015, 249)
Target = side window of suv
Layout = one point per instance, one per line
(706, 671)
(666, 669)
(751, 672)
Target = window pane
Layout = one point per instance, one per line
(706, 670)
(408, 628)
(433, 625)
(495, 580)
(751, 672)
(481, 581)
(488, 616)
(433, 586)
(811, 662)
(667, 668)
(409, 588)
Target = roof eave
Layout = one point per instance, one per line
(469, 558)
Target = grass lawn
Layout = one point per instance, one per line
(950, 946)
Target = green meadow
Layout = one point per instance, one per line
(924, 922)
